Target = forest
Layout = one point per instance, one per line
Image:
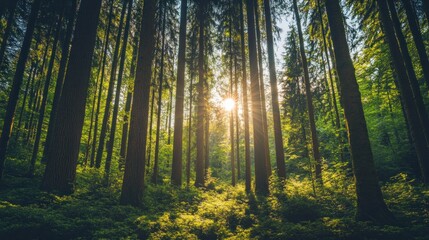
(214, 119)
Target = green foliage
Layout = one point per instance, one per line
(292, 211)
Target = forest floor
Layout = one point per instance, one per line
(220, 211)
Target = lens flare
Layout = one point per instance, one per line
(228, 104)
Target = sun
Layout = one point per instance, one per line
(228, 104)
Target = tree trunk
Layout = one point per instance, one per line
(262, 86)
(308, 93)
(231, 113)
(411, 73)
(133, 184)
(248, 173)
(128, 102)
(280, 157)
(62, 158)
(418, 39)
(331, 82)
(155, 173)
(45, 95)
(370, 203)
(30, 82)
(200, 176)
(111, 142)
(261, 172)
(17, 82)
(406, 91)
(109, 98)
(65, 50)
(176, 172)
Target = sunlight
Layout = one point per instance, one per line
(228, 104)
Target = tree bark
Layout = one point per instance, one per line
(370, 203)
(133, 184)
(17, 82)
(62, 158)
(418, 39)
(406, 91)
(199, 166)
(160, 90)
(65, 50)
(45, 94)
(111, 142)
(309, 97)
(262, 86)
(261, 172)
(109, 98)
(248, 174)
(176, 172)
(280, 157)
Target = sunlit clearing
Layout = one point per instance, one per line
(228, 104)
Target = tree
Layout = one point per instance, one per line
(110, 90)
(280, 157)
(65, 50)
(176, 172)
(200, 176)
(370, 203)
(409, 95)
(110, 143)
(418, 39)
(261, 173)
(308, 94)
(45, 93)
(133, 183)
(60, 170)
(17, 82)
(245, 102)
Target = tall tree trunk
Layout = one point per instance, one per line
(231, 113)
(155, 173)
(406, 91)
(133, 184)
(17, 82)
(370, 203)
(262, 86)
(308, 93)
(237, 120)
(128, 102)
(45, 94)
(199, 166)
(331, 82)
(418, 39)
(176, 172)
(100, 89)
(111, 142)
(170, 113)
(188, 155)
(8, 29)
(280, 157)
(248, 174)
(65, 50)
(109, 98)
(410, 70)
(261, 173)
(62, 158)
(30, 81)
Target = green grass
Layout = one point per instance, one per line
(292, 211)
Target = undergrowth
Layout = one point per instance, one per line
(294, 210)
